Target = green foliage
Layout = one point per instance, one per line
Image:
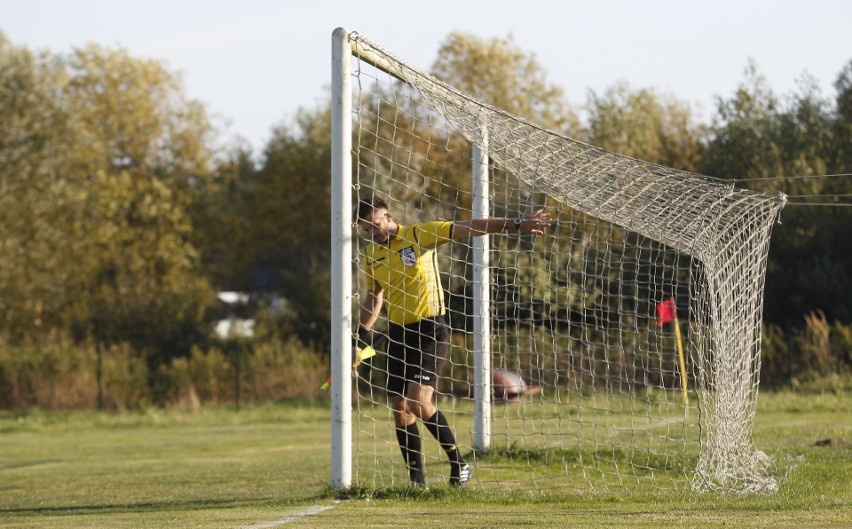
(146, 142)
(843, 123)
(218, 217)
(54, 372)
(741, 145)
(776, 357)
(267, 228)
(815, 357)
(499, 73)
(96, 167)
(756, 135)
(245, 371)
(34, 220)
(815, 354)
(118, 220)
(200, 377)
(645, 125)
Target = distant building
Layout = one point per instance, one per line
(234, 319)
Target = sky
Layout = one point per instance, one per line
(254, 63)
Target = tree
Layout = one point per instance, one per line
(755, 136)
(33, 224)
(283, 212)
(101, 162)
(141, 144)
(219, 218)
(842, 159)
(645, 125)
(741, 141)
(499, 73)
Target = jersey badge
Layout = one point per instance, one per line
(409, 258)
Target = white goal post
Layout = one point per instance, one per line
(619, 351)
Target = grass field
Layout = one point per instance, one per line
(572, 442)
(267, 466)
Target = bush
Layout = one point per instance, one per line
(124, 378)
(285, 370)
(776, 362)
(814, 347)
(251, 371)
(54, 372)
(48, 372)
(816, 357)
(201, 377)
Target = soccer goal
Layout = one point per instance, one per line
(619, 351)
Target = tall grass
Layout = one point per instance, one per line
(55, 373)
(815, 357)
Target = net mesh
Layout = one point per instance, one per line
(587, 381)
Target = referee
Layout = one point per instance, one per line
(401, 268)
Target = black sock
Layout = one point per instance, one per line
(409, 444)
(440, 429)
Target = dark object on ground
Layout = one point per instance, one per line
(834, 441)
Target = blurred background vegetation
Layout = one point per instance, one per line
(123, 215)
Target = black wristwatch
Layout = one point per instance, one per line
(518, 222)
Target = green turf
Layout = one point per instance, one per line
(568, 442)
(220, 468)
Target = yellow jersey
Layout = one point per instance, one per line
(407, 270)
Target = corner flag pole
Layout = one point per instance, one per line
(681, 363)
(667, 312)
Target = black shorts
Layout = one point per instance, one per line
(416, 353)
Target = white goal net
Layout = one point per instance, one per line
(618, 351)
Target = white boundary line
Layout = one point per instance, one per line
(310, 511)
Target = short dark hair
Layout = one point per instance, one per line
(367, 206)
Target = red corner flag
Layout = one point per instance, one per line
(666, 312)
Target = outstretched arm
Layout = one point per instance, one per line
(532, 223)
